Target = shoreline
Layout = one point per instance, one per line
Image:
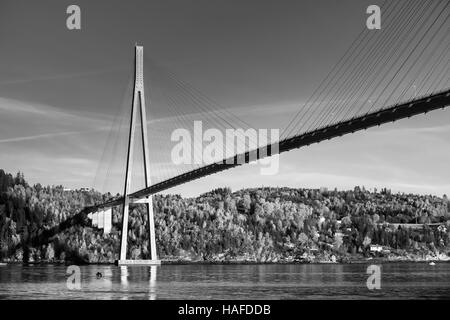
(184, 262)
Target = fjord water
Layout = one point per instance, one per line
(306, 281)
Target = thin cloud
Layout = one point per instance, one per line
(48, 135)
(15, 106)
(62, 76)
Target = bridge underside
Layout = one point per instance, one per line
(396, 112)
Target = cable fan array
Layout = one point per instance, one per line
(407, 59)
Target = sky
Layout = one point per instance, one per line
(62, 90)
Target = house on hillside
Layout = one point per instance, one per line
(376, 248)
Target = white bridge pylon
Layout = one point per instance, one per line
(138, 101)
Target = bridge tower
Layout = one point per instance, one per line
(138, 101)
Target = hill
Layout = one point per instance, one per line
(43, 224)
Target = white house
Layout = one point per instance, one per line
(376, 248)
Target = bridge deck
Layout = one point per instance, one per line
(396, 112)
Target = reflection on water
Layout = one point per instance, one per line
(310, 281)
(124, 280)
(138, 275)
(152, 283)
(124, 276)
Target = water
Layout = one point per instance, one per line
(309, 281)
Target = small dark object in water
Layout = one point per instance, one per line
(99, 275)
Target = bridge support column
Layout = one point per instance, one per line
(124, 240)
(138, 98)
(151, 224)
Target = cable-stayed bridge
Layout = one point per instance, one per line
(385, 75)
(405, 110)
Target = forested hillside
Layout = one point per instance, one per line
(254, 225)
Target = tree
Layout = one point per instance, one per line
(375, 218)
(20, 179)
(346, 221)
(303, 239)
(367, 241)
(338, 241)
